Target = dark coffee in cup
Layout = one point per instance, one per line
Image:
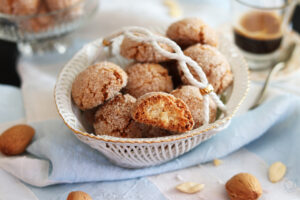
(258, 32)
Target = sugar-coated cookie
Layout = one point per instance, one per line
(97, 83)
(60, 4)
(19, 7)
(147, 77)
(142, 51)
(214, 65)
(41, 22)
(114, 118)
(189, 31)
(194, 100)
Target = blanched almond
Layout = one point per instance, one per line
(190, 187)
(277, 171)
(217, 162)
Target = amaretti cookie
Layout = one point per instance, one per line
(164, 111)
(114, 118)
(60, 4)
(189, 31)
(194, 100)
(19, 7)
(97, 84)
(5, 6)
(147, 77)
(142, 51)
(41, 22)
(214, 65)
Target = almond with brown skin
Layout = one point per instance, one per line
(78, 195)
(15, 140)
(243, 186)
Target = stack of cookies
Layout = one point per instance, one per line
(152, 97)
(38, 10)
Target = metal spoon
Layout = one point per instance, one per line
(277, 67)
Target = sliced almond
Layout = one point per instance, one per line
(190, 187)
(277, 171)
(174, 8)
(217, 162)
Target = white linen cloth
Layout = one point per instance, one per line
(39, 74)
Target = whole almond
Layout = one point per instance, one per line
(78, 195)
(277, 171)
(243, 186)
(15, 140)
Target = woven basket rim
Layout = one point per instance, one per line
(105, 138)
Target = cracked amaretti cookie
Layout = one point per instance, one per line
(147, 77)
(214, 65)
(164, 111)
(97, 84)
(189, 31)
(194, 100)
(114, 118)
(142, 51)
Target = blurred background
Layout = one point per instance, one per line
(217, 12)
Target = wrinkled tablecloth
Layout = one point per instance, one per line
(58, 163)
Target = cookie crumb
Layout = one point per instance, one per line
(179, 177)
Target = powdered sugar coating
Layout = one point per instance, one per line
(147, 77)
(142, 51)
(189, 31)
(97, 83)
(194, 100)
(214, 65)
(114, 118)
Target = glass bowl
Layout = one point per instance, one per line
(46, 31)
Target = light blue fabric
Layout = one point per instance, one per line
(11, 104)
(72, 161)
(282, 141)
(140, 188)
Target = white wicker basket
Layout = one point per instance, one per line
(143, 152)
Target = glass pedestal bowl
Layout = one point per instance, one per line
(46, 31)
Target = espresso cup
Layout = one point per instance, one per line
(259, 27)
